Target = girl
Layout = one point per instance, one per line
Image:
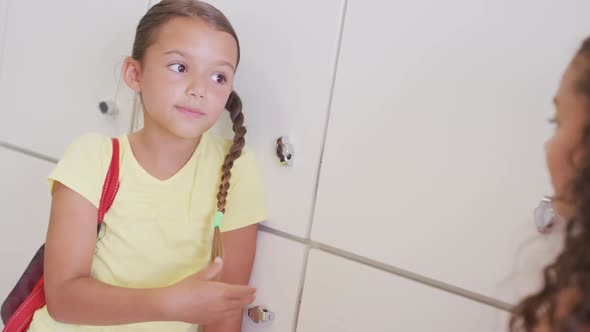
(147, 271)
(563, 304)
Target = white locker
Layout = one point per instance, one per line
(285, 78)
(25, 201)
(60, 59)
(345, 296)
(277, 277)
(434, 156)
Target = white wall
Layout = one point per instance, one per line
(417, 129)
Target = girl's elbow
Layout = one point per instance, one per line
(56, 308)
(54, 311)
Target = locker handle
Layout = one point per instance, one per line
(544, 216)
(108, 107)
(260, 314)
(284, 151)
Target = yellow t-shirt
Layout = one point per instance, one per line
(157, 232)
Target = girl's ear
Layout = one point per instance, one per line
(132, 74)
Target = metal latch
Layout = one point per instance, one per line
(260, 314)
(284, 151)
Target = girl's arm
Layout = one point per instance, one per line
(239, 250)
(74, 297)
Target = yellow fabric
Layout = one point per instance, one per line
(157, 232)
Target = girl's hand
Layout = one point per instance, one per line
(198, 300)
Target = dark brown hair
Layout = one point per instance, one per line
(146, 32)
(564, 299)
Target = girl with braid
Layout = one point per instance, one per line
(176, 249)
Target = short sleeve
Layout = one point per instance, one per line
(83, 166)
(246, 201)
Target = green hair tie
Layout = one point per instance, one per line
(217, 219)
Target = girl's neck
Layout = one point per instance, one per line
(159, 152)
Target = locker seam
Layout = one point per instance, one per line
(327, 119)
(309, 227)
(28, 152)
(390, 269)
(301, 288)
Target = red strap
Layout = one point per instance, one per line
(111, 183)
(21, 319)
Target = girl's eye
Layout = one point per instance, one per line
(553, 121)
(219, 78)
(178, 67)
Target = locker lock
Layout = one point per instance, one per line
(545, 216)
(260, 314)
(108, 107)
(284, 151)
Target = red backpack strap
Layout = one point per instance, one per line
(111, 183)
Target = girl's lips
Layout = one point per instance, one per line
(193, 112)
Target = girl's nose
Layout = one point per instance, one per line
(196, 90)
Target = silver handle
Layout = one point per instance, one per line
(108, 107)
(260, 314)
(284, 151)
(545, 216)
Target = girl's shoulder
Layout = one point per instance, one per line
(83, 165)
(89, 143)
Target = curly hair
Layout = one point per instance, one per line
(564, 300)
